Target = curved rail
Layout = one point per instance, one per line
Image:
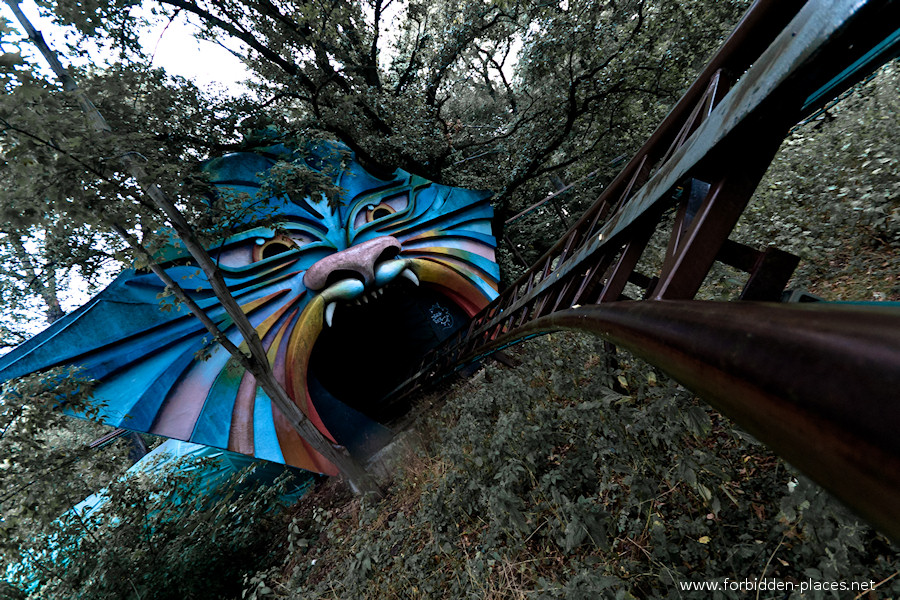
(785, 59)
(817, 383)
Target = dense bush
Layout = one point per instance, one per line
(832, 196)
(156, 537)
(843, 167)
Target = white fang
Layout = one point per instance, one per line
(410, 275)
(329, 313)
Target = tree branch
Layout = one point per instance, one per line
(257, 364)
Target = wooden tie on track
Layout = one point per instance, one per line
(820, 384)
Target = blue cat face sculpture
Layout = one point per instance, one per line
(346, 300)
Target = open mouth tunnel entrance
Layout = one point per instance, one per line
(371, 348)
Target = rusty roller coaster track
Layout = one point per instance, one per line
(819, 383)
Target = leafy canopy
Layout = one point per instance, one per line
(497, 95)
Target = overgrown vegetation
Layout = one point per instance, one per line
(40, 450)
(545, 482)
(832, 196)
(157, 534)
(160, 534)
(560, 478)
(556, 479)
(563, 479)
(161, 538)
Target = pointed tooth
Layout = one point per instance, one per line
(365, 299)
(410, 275)
(329, 313)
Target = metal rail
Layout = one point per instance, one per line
(829, 401)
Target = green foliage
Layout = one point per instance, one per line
(496, 95)
(157, 537)
(832, 196)
(41, 450)
(297, 180)
(64, 186)
(845, 160)
(487, 95)
(544, 482)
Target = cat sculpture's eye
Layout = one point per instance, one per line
(371, 211)
(267, 248)
(398, 266)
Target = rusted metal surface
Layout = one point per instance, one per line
(691, 253)
(795, 377)
(769, 270)
(750, 120)
(621, 273)
(817, 383)
(763, 104)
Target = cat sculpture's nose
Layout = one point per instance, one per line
(357, 261)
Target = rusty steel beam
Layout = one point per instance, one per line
(759, 109)
(769, 269)
(819, 41)
(624, 267)
(753, 117)
(691, 253)
(762, 23)
(817, 383)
